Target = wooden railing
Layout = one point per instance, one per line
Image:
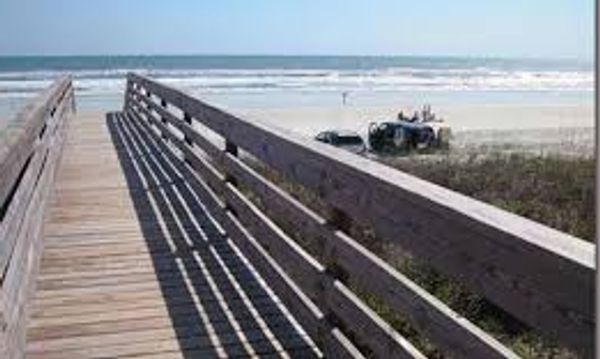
(30, 148)
(541, 276)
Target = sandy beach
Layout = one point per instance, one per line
(566, 127)
(462, 117)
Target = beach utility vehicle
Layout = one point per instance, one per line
(348, 140)
(421, 131)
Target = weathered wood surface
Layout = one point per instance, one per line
(331, 295)
(444, 327)
(304, 270)
(134, 266)
(439, 323)
(31, 149)
(541, 276)
(18, 137)
(331, 341)
(153, 249)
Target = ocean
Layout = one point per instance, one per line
(284, 81)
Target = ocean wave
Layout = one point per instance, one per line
(100, 82)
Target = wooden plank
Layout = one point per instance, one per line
(210, 148)
(507, 258)
(20, 276)
(86, 345)
(199, 346)
(329, 339)
(124, 301)
(133, 129)
(304, 269)
(368, 328)
(93, 276)
(472, 341)
(20, 133)
(16, 212)
(387, 342)
(312, 320)
(14, 215)
(444, 327)
(21, 247)
(309, 275)
(125, 326)
(207, 170)
(213, 307)
(205, 200)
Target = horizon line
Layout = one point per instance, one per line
(448, 56)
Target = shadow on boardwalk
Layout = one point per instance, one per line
(217, 305)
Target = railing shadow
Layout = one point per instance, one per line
(216, 303)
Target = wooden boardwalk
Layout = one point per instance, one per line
(133, 266)
(171, 229)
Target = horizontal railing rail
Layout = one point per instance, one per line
(541, 276)
(30, 148)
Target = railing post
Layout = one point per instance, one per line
(149, 96)
(128, 93)
(339, 220)
(73, 103)
(232, 149)
(137, 96)
(134, 96)
(138, 90)
(164, 105)
(187, 119)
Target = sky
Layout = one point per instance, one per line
(488, 28)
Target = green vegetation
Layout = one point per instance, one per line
(557, 191)
(554, 190)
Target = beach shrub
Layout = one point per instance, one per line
(553, 190)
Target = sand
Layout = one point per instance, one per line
(541, 128)
(464, 117)
(558, 127)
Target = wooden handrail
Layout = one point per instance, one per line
(30, 149)
(543, 277)
(18, 136)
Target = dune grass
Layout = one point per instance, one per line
(553, 190)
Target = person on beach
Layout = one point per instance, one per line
(344, 97)
(401, 116)
(415, 117)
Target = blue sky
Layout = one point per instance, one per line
(509, 28)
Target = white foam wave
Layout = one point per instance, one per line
(99, 82)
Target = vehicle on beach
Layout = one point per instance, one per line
(347, 140)
(418, 132)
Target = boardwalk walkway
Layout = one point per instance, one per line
(133, 266)
(172, 230)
